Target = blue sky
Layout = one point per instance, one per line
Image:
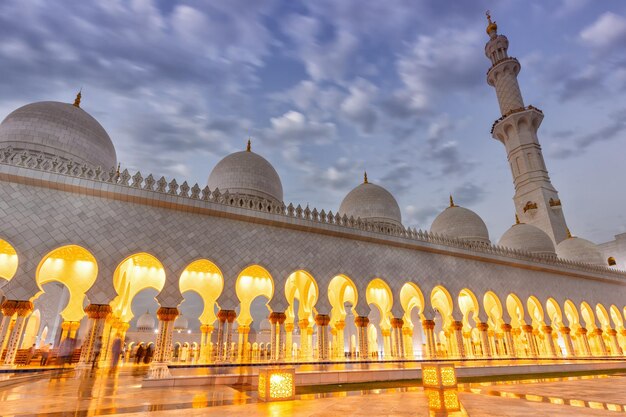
(328, 89)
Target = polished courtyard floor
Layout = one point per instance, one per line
(120, 393)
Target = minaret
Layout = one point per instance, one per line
(536, 200)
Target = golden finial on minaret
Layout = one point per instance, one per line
(517, 219)
(78, 97)
(569, 234)
(249, 147)
(492, 26)
(365, 178)
(451, 201)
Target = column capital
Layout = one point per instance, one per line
(206, 328)
(9, 307)
(407, 331)
(227, 315)
(456, 325)
(623, 332)
(340, 325)
(277, 317)
(22, 308)
(547, 329)
(289, 327)
(428, 324)
(361, 321)
(167, 313)
(243, 329)
(527, 328)
(397, 323)
(304, 323)
(597, 331)
(322, 319)
(506, 327)
(565, 330)
(98, 311)
(385, 332)
(581, 330)
(482, 326)
(612, 332)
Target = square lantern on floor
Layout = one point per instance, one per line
(442, 401)
(438, 375)
(277, 384)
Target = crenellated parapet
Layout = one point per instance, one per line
(123, 183)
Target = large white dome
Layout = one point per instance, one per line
(247, 173)
(461, 223)
(580, 250)
(373, 203)
(146, 323)
(58, 129)
(181, 323)
(529, 238)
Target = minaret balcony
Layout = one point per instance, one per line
(514, 120)
(505, 64)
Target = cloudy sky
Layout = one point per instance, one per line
(328, 89)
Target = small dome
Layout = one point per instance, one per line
(247, 173)
(58, 129)
(461, 223)
(529, 238)
(146, 323)
(181, 323)
(373, 203)
(265, 326)
(580, 250)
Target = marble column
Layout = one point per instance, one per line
(407, 335)
(483, 329)
(530, 340)
(242, 343)
(163, 350)
(584, 341)
(322, 321)
(429, 334)
(9, 307)
(230, 319)
(361, 323)
(205, 343)
(97, 314)
(289, 340)
(459, 347)
(616, 350)
(221, 326)
(277, 319)
(386, 333)
(305, 346)
(22, 309)
(597, 334)
(340, 344)
(567, 339)
(509, 343)
(397, 338)
(549, 343)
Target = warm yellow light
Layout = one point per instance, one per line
(451, 400)
(577, 403)
(276, 384)
(438, 375)
(596, 405)
(448, 376)
(555, 400)
(535, 398)
(429, 376)
(442, 400)
(434, 400)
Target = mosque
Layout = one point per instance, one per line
(80, 237)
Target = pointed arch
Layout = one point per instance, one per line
(603, 317)
(441, 301)
(515, 308)
(411, 297)
(588, 316)
(469, 306)
(535, 311)
(302, 286)
(493, 309)
(554, 313)
(341, 290)
(571, 312)
(618, 320)
(8, 260)
(204, 278)
(379, 294)
(254, 281)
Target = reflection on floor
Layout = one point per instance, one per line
(120, 393)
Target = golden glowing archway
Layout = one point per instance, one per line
(535, 311)
(301, 285)
(8, 260)
(379, 294)
(75, 268)
(493, 308)
(411, 297)
(571, 312)
(603, 317)
(135, 274)
(468, 304)
(587, 314)
(252, 282)
(554, 313)
(515, 308)
(441, 301)
(617, 318)
(204, 278)
(341, 290)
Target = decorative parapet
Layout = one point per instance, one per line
(513, 111)
(45, 163)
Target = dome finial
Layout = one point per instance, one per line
(452, 201)
(492, 26)
(249, 147)
(569, 234)
(78, 97)
(517, 219)
(365, 178)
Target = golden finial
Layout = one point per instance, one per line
(78, 97)
(451, 201)
(492, 26)
(517, 219)
(249, 147)
(569, 234)
(117, 172)
(365, 178)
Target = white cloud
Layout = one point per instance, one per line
(607, 31)
(358, 106)
(294, 126)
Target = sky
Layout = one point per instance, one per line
(327, 89)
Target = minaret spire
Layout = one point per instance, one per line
(78, 97)
(249, 146)
(365, 178)
(517, 130)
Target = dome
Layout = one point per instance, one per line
(146, 323)
(460, 223)
(580, 250)
(58, 129)
(373, 203)
(529, 238)
(265, 326)
(181, 323)
(247, 173)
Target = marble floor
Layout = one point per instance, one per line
(120, 393)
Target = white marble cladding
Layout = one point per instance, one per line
(43, 206)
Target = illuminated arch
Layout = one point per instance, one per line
(571, 312)
(468, 304)
(441, 301)
(32, 329)
(379, 294)
(617, 318)
(204, 278)
(535, 311)
(252, 282)
(302, 286)
(75, 268)
(341, 290)
(134, 274)
(493, 308)
(8, 260)
(515, 308)
(411, 297)
(587, 314)
(554, 313)
(603, 316)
